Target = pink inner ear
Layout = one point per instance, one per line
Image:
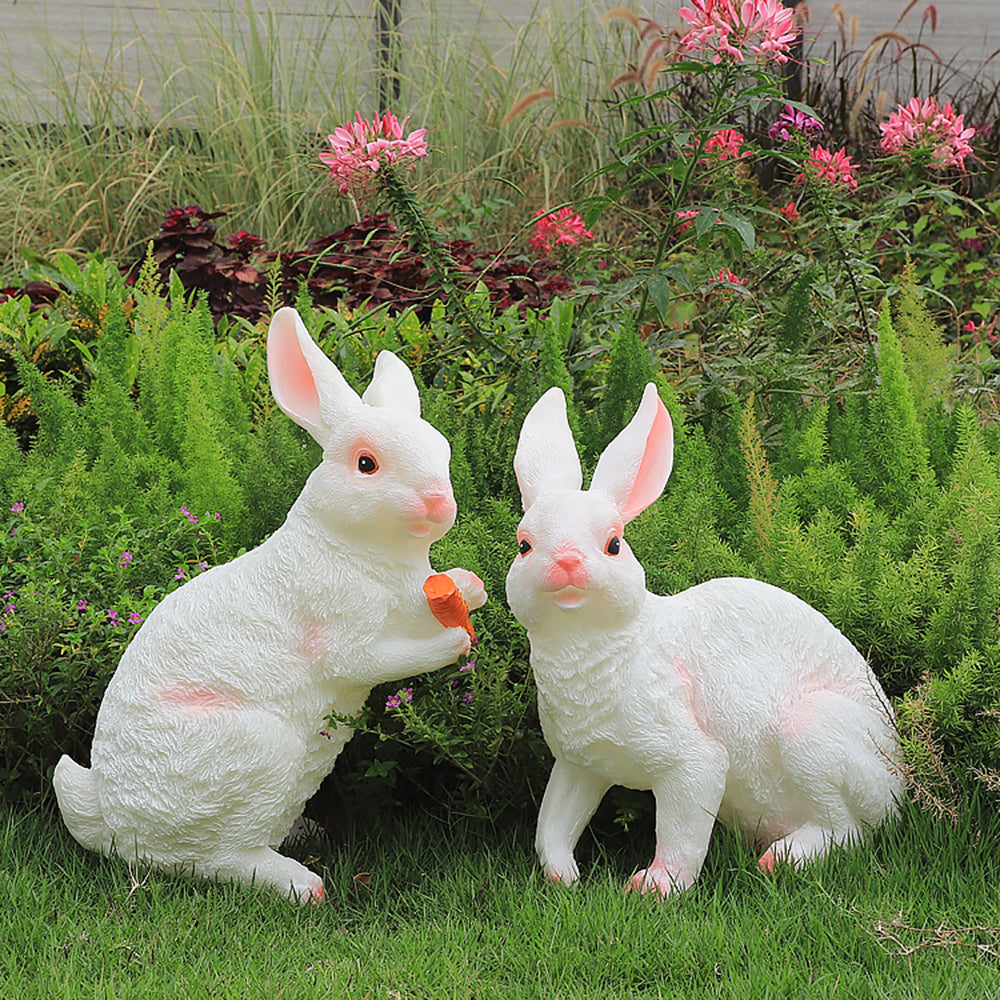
(295, 387)
(657, 459)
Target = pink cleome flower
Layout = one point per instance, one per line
(359, 148)
(836, 168)
(561, 226)
(727, 276)
(727, 144)
(790, 212)
(792, 122)
(726, 28)
(927, 125)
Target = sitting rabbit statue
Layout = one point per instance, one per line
(210, 736)
(732, 700)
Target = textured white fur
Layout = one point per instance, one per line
(210, 737)
(732, 700)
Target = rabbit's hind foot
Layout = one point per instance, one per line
(808, 843)
(269, 868)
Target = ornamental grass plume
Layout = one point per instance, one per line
(926, 128)
(726, 29)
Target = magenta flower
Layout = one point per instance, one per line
(791, 123)
(727, 276)
(727, 144)
(981, 331)
(181, 573)
(562, 226)
(835, 168)
(192, 518)
(727, 29)
(81, 605)
(359, 149)
(113, 618)
(124, 559)
(18, 508)
(927, 126)
(402, 697)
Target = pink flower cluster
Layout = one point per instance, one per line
(727, 144)
(792, 122)
(562, 226)
(359, 148)
(927, 125)
(834, 168)
(727, 28)
(982, 331)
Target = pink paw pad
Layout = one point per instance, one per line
(768, 861)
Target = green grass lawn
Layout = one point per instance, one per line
(457, 911)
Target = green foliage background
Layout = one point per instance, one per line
(879, 505)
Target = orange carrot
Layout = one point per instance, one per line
(447, 603)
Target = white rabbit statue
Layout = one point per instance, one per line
(210, 736)
(732, 700)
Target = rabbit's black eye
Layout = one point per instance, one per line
(367, 464)
(614, 545)
(524, 546)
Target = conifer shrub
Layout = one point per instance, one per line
(880, 506)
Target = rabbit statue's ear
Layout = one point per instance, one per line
(392, 386)
(635, 467)
(305, 383)
(546, 460)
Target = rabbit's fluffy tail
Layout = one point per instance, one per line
(76, 791)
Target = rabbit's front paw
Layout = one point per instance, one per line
(472, 588)
(566, 874)
(656, 878)
(461, 643)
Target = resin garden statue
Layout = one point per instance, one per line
(211, 735)
(732, 700)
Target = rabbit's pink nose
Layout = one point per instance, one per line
(569, 560)
(439, 505)
(567, 570)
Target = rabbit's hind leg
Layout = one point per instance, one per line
(838, 777)
(268, 868)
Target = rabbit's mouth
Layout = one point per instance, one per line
(418, 529)
(569, 598)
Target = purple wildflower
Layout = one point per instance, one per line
(81, 605)
(792, 122)
(192, 518)
(181, 573)
(402, 697)
(124, 559)
(135, 618)
(18, 508)
(112, 617)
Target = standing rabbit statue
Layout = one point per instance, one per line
(732, 700)
(210, 737)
